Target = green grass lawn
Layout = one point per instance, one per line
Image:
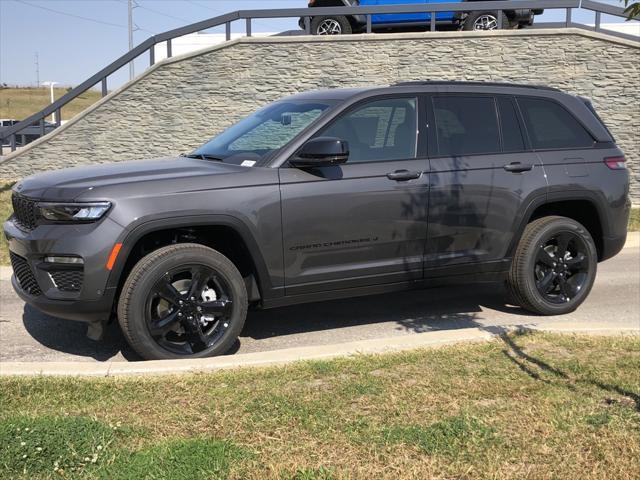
(19, 103)
(525, 406)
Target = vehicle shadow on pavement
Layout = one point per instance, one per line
(71, 337)
(412, 311)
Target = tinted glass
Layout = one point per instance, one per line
(379, 131)
(551, 126)
(263, 132)
(466, 125)
(512, 140)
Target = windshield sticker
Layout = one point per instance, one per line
(248, 163)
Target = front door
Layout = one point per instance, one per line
(363, 222)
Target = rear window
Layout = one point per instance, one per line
(466, 125)
(550, 126)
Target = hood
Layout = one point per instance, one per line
(174, 173)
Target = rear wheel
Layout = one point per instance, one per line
(554, 266)
(485, 21)
(182, 301)
(330, 26)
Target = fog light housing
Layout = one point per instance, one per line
(65, 260)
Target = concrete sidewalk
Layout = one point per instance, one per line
(280, 357)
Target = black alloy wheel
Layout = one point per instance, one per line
(189, 309)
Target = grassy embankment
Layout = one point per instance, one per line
(19, 103)
(524, 406)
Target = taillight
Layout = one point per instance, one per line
(616, 163)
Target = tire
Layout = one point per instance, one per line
(207, 321)
(337, 25)
(545, 281)
(489, 19)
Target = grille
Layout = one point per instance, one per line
(26, 215)
(67, 280)
(25, 276)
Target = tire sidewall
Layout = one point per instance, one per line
(554, 228)
(134, 307)
(472, 17)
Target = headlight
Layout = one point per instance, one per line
(73, 212)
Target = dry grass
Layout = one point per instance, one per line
(19, 103)
(526, 406)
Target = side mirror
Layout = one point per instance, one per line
(322, 151)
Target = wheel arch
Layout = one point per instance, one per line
(582, 207)
(224, 233)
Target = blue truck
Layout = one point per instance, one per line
(472, 20)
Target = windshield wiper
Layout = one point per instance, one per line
(201, 156)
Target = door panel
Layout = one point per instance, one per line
(363, 222)
(352, 221)
(474, 206)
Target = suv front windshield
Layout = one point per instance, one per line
(260, 134)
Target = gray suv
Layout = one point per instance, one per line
(329, 194)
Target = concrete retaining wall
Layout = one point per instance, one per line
(179, 103)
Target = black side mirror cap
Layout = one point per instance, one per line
(321, 151)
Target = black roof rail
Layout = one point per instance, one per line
(477, 84)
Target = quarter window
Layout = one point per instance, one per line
(550, 126)
(466, 125)
(379, 131)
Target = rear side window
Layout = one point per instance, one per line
(512, 139)
(466, 125)
(550, 126)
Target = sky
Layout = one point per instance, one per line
(74, 39)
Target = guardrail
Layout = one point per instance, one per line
(148, 46)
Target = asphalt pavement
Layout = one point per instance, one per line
(27, 335)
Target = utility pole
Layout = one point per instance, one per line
(130, 5)
(37, 71)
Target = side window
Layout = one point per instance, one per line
(378, 131)
(512, 140)
(466, 125)
(550, 126)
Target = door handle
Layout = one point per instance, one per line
(517, 167)
(403, 175)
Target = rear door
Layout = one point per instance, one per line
(482, 174)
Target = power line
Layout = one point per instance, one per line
(80, 17)
(157, 12)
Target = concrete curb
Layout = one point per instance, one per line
(280, 357)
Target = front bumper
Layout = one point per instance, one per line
(87, 300)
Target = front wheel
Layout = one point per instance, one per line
(485, 21)
(182, 301)
(554, 267)
(330, 26)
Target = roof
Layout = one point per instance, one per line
(347, 93)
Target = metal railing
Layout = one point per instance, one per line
(148, 46)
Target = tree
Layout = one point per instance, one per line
(632, 8)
